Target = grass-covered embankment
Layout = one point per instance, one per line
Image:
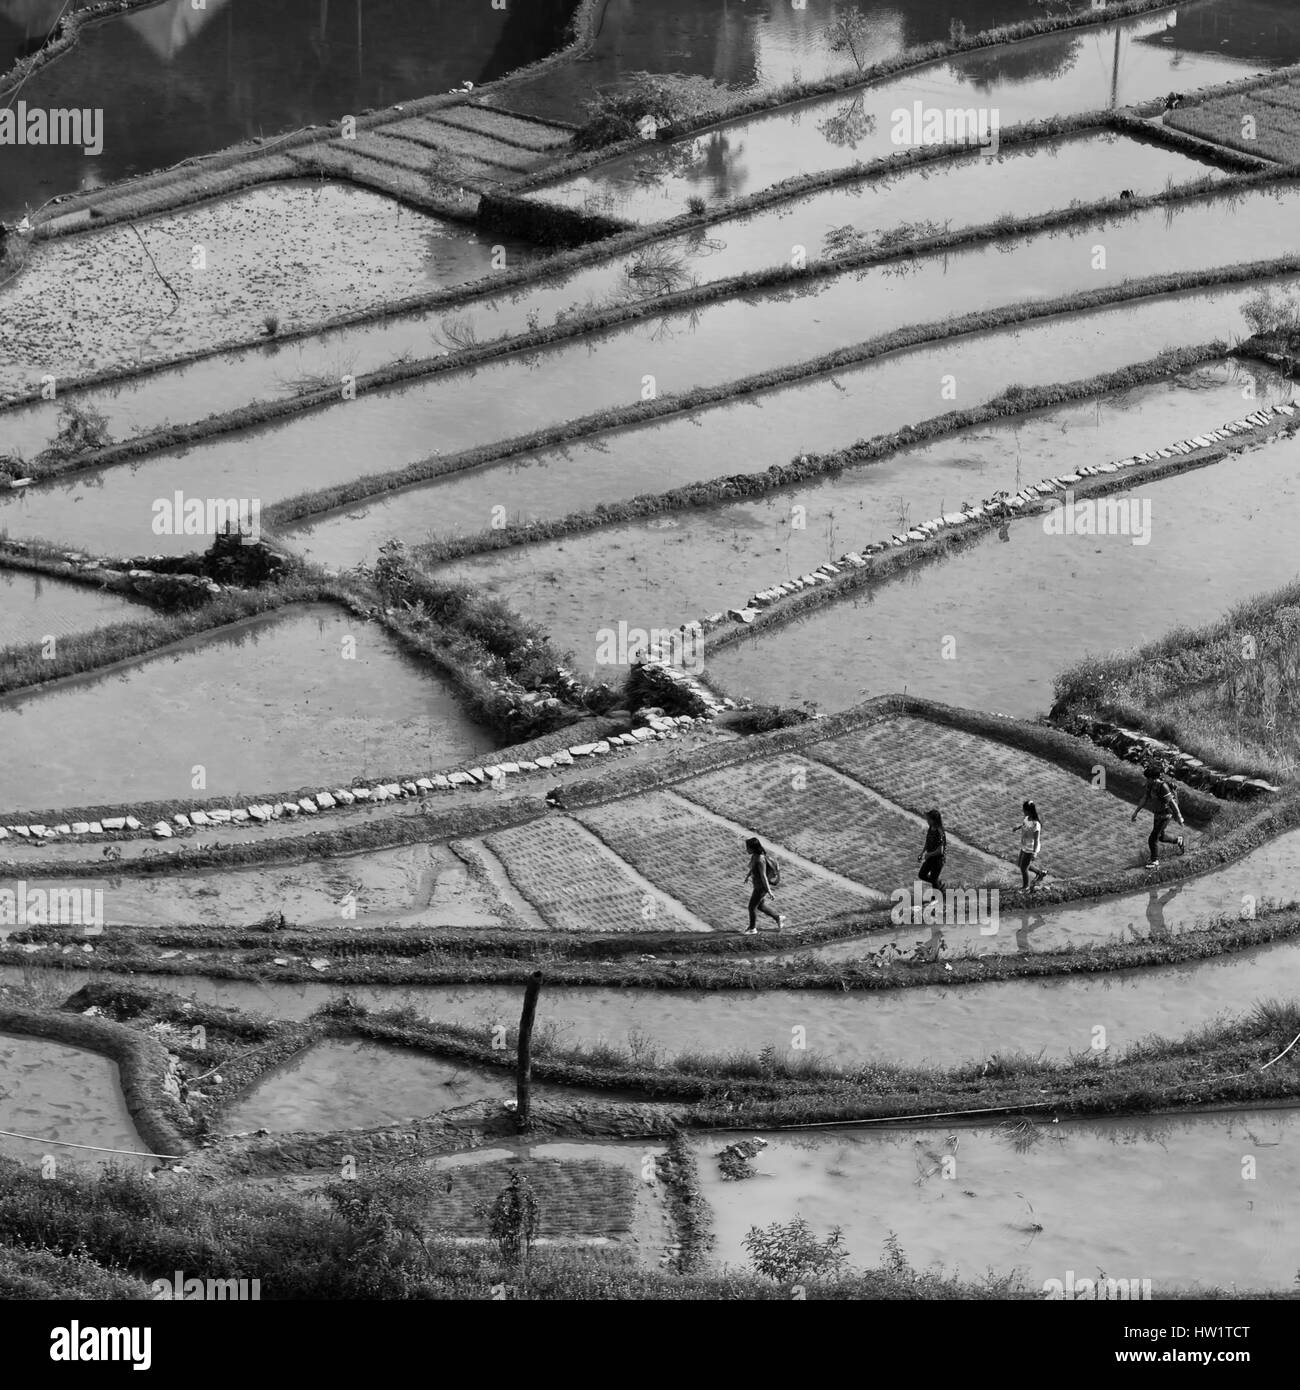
(721, 963)
(1225, 692)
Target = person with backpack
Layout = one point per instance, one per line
(1159, 795)
(935, 851)
(1031, 844)
(766, 875)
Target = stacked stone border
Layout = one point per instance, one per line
(1136, 747)
(1091, 480)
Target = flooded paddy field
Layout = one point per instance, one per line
(1090, 1197)
(346, 1083)
(946, 1027)
(59, 1093)
(748, 435)
(673, 568)
(1024, 181)
(276, 256)
(271, 704)
(710, 346)
(34, 608)
(1080, 592)
(1094, 69)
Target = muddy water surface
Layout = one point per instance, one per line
(270, 705)
(61, 1093)
(1158, 1198)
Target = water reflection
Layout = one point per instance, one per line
(175, 81)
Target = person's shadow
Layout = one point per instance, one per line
(1156, 904)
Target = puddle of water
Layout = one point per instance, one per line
(352, 1084)
(936, 1026)
(164, 76)
(1024, 181)
(34, 607)
(94, 301)
(817, 415)
(1070, 594)
(1097, 68)
(717, 344)
(271, 705)
(63, 1093)
(669, 569)
(1159, 1199)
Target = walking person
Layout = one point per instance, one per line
(1031, 845)
(1159, 796)
(760, 871)
(935, 851)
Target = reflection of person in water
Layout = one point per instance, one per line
(1156, 904)
(1029, 921)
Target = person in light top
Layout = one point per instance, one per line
(1031, 845)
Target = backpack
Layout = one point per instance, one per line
(1165, 801)
(773, 871)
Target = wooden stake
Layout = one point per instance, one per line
(524, 1082)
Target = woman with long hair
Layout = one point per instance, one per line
(762, 889)
(1031, 845)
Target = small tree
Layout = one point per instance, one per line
(848, 32)
(513, 1219)
(793, 1254)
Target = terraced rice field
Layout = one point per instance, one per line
(271, 705)
(578, 885)
(216, 273)
(349, 1084)
(1039, 77)
(1264, 122)
(34, 607)
(700, 859)
(1023, 181)
(981, 784)
(679, 565)
(390, 429)
(55, 1092)
(747, 435)
(490, 883)
(1009, 1188)
(825, 818)
(993, 598)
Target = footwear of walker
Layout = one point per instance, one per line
(1154, 864)
(780, 923)
(751, 931)
(1182, 849)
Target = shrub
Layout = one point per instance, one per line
(792, 1253)
(1272, 314)
(82, 430)
(672, 100)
